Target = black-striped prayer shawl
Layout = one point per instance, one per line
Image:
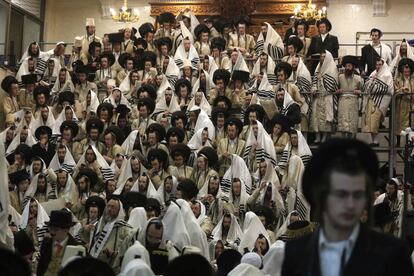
(276, 53)
(305, 87)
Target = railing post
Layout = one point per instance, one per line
(391, 152)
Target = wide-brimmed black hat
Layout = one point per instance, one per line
(280, 120)
(19, 176)
(149, 56)
(159, 129)
(210, 154)
(94, 123)
(334, 149)
(296, 42)
(382, 214)
(173, 131)
(302, 22)
(218, 111)
(81, 68)
(221, 74)
(41, 90)
(148, 102)
(406, 62)
(142, 42)
(160, 155)
(240, 75)
(222, 99)
(181, 149)
(95, 201)
(70, 125)
(29, 79)
(286, 67)
(164, 41)
(93, 45)
(178, 115)
(221, 23)
(123, 110)
(256, 108)
(166, 17)
(241, 19)
(146, 28)
(149, 89)
(234, 121)
(350, 59)
(119, 134)
(25, 151)
(182, 82)
(326, 22)
(105, 106)
(66, 96)
(60, 219)
(7, 82)
(110, 56)
(219, 43)
(43, 130)
(117, 37)
(90, 174)
(133, 199)
(201, 28)
(123, 59)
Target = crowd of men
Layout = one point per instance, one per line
(150, 144)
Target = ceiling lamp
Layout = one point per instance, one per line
(125, 14)
(309, 12)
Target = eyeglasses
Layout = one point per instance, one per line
(341, 194)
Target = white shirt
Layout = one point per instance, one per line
(323, 36)
(384, 52)
(330, 253)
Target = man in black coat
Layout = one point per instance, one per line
(288, 108)
(44, 149)
(53, 249)
(323, 41)
(338, 185)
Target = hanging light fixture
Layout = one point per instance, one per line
(125, 14)
(309, 12)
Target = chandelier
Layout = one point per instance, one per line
(309, 12)
(125, 14)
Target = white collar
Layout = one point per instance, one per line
(62, 243)
(348, 243)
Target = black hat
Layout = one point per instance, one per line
(23, 244)
(181, 149)
(116, 37)
(188, 188)
(86, 266)
(29, 79)
(80, 68)
(298, 229)
(286, 67)
(66, 96)
(142, 42)
(210, 154)
(222, 99)
(119, 135)
(406, 62)
(41, 90)
(122, 110)
(221, 74)
(296, 42)
(209, 19)
(94, 123)
(159, 129)
(332, 150)
(302, 22)
(242, 19)
(90, 174)
(182, 82)
(7, 82)
(166, 17)
(160, 155)
(173, 131)
(256, 108)
(220, 24)
(134, 199)
(382, 214)
(19, 176)
(149, 89)
(70, 125)
(243, 76)
(164, 41)
(201, 28)
(326, 22)
(146, 28)
(234, 121)
(95, 201)
(123, 59)
(219, 43)
(350, 59)
(109, 56)
(377, 31)
(149, 56)
(25, 151)
(60, 219)
(218, 111)
(43, 130)
(265, 211)
(280, 120)
(148, 102)
(108, 107)
(93, 45)
(178, 115)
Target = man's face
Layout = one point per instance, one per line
(62, 177)
(204, 37)
(406, 72)
(90, 30)
(128, 186)
(280, 96)
(226, 224)
(28, 117)
(68, 114)
(165, 63)
(109, 141)
(148, 66)
(349, 68)
(143, 112)
(90, 155)
(104, 63)
(119, 160)
(201, 163)
(291, 50)
(391, 190)
(403, 49)
(152, 138)
(263, 60)
(204, 136)
(127, 33)
(281, 77)
(37, 166)
(242, 29)
(82, 77)
(110, 186)
(112, 209)
(167, 25)
(67, 135)
(294, 140)
(196, 208)
(198, 97)
(346, 201)
(143, 183)
(129, 65)
(33, 209)
(173, 141)
(135, 165)
(378, 65)
(149, 37)
(322, 28)
(263, 29)
(23, 185)
(23, 135)
(252, 116)
(31, 65)
(94, 134)
(220, 122)
(261, 245)
(255, 128)
(277, 129)
(155, 165)
(168, 185)
(187, 45)
(232, 131)
(134, 77)
(220, 85)
(263, 168)
(375, 36)
(93, 213)
(214, 185)
(154, 236)
(83, 185)
(45, 113)
(236, 188)
(301, 30)
(61, 154)
(168, 95)
(234, 55)
(62, 76)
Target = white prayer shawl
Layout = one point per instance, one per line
(304, 82)
(38, 122)
(197, 236)
(162, 106)
(204, 190)
(400, 204)
(44, 169)
(162, 193)
(24, 65)
(128, 144)
(31, 190)
(56, 69)
(303, 151)
(202, 215)
(233, 236)
(30, 141)
(126, 172)
(381, 87)
(175, 229)
(396, 60)
(271, 45)
(93, 107)
(265, 149)
(62, 118)
(181, 54)
(41, 220)
(103, 231)
(193, 23)
(273, 260)
(237, 169)
(151, 191)
(252, 227)
(138, 218)
(137, 249)
(66, 86)
(212, 66)
(104, 167)
(329, 78)
(265, 91)
(209, 84)
(204, 121)
(6, 236)
(110, 99)
(137, 267)
(172, 72)
(270, 70)
(244, 269)
(240, 64)
(70, 194)
(68, 164)
(125, 85)
(196, 142)
(204, 105)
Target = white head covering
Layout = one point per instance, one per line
(202, 215)
(272, 45)
(204, 121)
(162, 106)
(94, 103)
(252, 258)
(245, 270)
(265, 91)
(240, 64)
(126, 172)
(212, 65)
(234, 234)
(265, 149)
(151, 191)
(38, 122)
(137, 267)
(204, 105)
(134, 252)
(104, 167)
(62, 118)
(252, 228)
(125, 85)
(303, 151)
(273, 260)
(56, 69)
(172, 72)
(67, 86)
(41, 220)
(110, 99)
(196, 142)
(396, 60)
(175, 229)
(270, 69)
(181, 54)
(128, 144)
(30, 141)
(209, 83)
(161, 190)
(138, 218)
(5, 232)
(31, 190)
(237, 169)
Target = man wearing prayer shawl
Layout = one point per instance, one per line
(44, 148)
(252, 229)
(25, 96)
(202, 34)
(90, 35)
(235, 195)
(240, 77)
(324, 103)
(211, 196)
(166, 21)
(241, 40)
(221, 79)
(186, 50)
(228, 231)
(109, 233)
(405, 51)
(218, 45)
(94, 128)
(40, 189)
(380, 88)
(63, 83)
(269, 42)
(83, 87)
(373, 51)
(283, 72)
(265, 65)
(180, 154)
(62, 159)
(206, 160)
(166, 105)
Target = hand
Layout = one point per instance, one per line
(226, 155)
(357, 91)
(242, 50)
(263, 185)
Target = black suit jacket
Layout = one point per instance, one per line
(374, 254)
(46, 253)
(46, 155)
(368, 57)
(317, 46)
